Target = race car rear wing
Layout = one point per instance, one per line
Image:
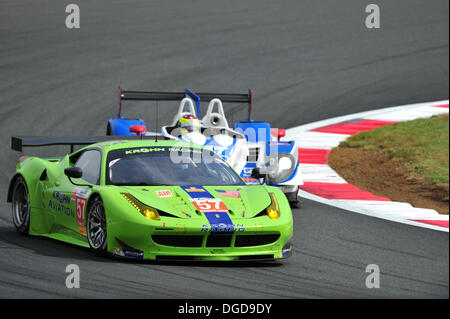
(178, 96)
(19, 142)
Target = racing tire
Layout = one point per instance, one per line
(96, 227)
(21, 206)
(296, 204)
(294, 200)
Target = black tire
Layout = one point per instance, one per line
(294, 200)
(20, 200)
(96, 227)
(296, 204)
(108, 130)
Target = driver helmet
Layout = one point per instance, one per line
(189, 123)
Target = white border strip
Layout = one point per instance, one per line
(360, 210)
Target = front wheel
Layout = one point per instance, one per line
(96, 227)
(21, 206)
(294, 200)
(296, 204)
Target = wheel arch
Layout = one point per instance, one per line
(90, 200)
(31, 170)
(11, 185)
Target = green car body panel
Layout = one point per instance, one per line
(58, 209)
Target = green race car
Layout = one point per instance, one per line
(147, 199)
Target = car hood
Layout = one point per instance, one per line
(241, 201)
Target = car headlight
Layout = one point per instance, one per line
(280, 167)
(145, 210)
(273, 210)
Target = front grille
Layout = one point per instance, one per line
(255, 240)
(253, 154)
(219, 240)
(178, 241)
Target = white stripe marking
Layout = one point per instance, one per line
(320, 173)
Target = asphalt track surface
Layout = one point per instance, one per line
(305, 60)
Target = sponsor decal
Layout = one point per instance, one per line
(82, 230)
(144, 150)
(207, 205)
(80, 195)
(164, 193)
(61, 197)
(60, 202)
(285, 252)
(221, 223)
(248, 170)
(250, 180)
(80, 192)
(228, 193)
(61, 208)
(128, 253)
(196, 191)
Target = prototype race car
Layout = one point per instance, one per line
(147, 199)
(247, 145)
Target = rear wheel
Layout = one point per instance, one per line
(21, 206)
(96, 227)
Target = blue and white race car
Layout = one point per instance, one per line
(254, 149)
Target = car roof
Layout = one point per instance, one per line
(122, 144)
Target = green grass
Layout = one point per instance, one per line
(422, 145)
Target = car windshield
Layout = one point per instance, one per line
(185, 166)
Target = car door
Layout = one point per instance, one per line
(75, 196)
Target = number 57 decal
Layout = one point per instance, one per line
(80, 196)
(81, 205)
(207, 205)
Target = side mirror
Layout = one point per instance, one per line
(256, 173)
(73, 172)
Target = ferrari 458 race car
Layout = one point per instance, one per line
(247, 145)
(146, 199)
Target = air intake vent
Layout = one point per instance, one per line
(255, 240)
(178, 241)
(219, 240)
